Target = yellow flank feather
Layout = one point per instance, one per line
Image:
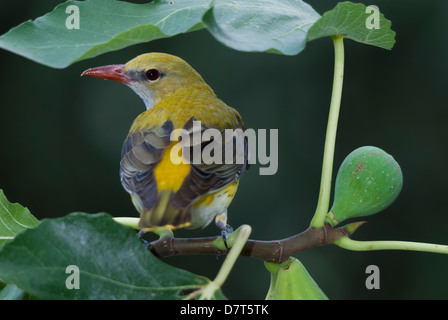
(169, 175)
(228, 191)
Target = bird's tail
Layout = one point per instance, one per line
(163, 215)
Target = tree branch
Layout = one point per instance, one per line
(272, 251)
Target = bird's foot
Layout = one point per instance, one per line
(140, 234)
(225, 232)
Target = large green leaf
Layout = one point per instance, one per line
(353, 21)
(112, 262)
(105, 25)
(278, 26)
(13, 219)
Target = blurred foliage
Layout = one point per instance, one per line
(61, 136)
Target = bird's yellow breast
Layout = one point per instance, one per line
(199, 103)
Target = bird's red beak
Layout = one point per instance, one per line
(112, 72)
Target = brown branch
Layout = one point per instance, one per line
(274, 251)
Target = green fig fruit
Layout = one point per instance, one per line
(291, 281)
(368, 181)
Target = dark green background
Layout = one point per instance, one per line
(61, 136)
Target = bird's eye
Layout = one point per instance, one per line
(152, 74)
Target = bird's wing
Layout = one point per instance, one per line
(218, 170)
(140, 154)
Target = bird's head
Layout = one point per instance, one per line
(153, 76)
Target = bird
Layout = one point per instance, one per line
(169, 194)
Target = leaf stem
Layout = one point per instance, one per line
(128, 221)
(354, 245)
(241, 239)
(330, 139)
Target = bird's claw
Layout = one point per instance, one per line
(225, 232)
(140, 234)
